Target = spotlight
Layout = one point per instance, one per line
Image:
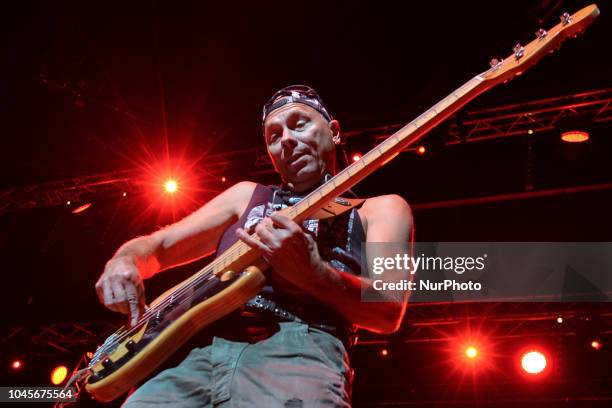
(223, 179)
(58, 375)
(471, 352)
(530, 132)
(421, 150)
(356, 157)
(596, 344)
(384, 352)
(16, 364)
(533, 362)
(560, 319)
(124, 194)
(574, 136)
(170, 186)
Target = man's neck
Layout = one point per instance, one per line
(306, 186)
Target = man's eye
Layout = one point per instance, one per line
(300, 124)
(273, 137)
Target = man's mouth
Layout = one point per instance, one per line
(294, 158)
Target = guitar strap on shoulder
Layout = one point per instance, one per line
(284, 196)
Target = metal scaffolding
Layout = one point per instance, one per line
(493, 123)
(424, 322)
(504, 320)
(477, 125)
(57, 338)
(65, 192)
(515, 119)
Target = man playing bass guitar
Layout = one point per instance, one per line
(287, 347)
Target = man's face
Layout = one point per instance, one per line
(299, 142)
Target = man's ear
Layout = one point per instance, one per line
(334, 126)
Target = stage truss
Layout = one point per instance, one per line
(471, 126)
(503, 320)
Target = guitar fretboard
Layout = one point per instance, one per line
(387, 150)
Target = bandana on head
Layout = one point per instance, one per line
(296, 94)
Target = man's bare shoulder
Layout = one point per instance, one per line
(242, 188)
(386, 211)
(389, 204)
(238, 196)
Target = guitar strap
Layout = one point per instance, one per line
(283, 196)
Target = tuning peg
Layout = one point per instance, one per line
(541, 33)
(519, 51)
(566, 19)
(495, 63)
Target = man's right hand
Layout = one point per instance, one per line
(120, 288)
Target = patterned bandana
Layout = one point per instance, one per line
(296, 94)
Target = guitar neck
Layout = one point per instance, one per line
(240, 255)
(388, 149)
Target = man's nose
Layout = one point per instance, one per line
(288, 140)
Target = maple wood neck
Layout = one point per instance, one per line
(240, 255)
(387, 150)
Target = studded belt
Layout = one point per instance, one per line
(265, 305)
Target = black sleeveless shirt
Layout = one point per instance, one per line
(339, 241)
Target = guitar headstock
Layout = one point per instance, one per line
(546, 41)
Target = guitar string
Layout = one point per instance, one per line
(205, 274)
(198, 278)
(121, 336)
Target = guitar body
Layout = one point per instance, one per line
(116, 372)
(131, 354)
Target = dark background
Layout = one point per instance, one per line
(95, 87)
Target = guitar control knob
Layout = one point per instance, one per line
(132, 346)
(108, 363)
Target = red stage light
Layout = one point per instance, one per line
(596, 344)
(533, 362)
(471, 352)
(59, 374)
(223, 179)
(170, 186)
(384, 352)
(356, 157)
(560, 319)
(16, 364)
(421, 150)
(575, 136)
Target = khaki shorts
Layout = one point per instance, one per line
(297, 367)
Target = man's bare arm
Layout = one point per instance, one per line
(120, 286)
(388, 219)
